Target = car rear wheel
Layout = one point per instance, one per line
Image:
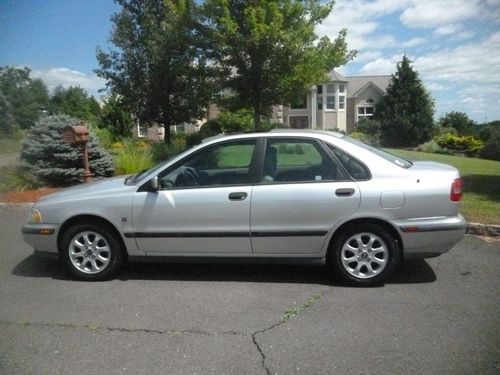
(90, 252)
(365, 254)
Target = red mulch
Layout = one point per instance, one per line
(28, 196)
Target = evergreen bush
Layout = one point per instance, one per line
(49, 161)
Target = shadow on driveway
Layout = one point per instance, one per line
(409, 272)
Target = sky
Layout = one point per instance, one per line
(454, 45)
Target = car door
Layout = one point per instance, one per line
(303, 194)
(202, 206)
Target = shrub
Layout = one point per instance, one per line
(361, 137)
(133, 157)
(432, 147)
(47, 160)
(468, 145)
(491, 149)
(372, 130)
(162, 151)
(15, 179)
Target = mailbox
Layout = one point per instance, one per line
(76, 134)
(79, 135)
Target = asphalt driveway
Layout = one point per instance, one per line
(436, 316)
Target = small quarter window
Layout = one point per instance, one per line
(354, 167)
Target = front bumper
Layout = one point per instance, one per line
(430, 237)
(42, 237)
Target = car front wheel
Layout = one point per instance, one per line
(90, 252)
(365, 254)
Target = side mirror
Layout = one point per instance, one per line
(154, 184)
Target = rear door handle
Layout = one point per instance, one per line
(344, 192)
(239, 196)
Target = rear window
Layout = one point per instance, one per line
(383, 154)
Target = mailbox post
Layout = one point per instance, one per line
(79, 135)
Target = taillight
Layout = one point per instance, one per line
(456, 190)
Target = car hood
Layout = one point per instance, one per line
(101, 187)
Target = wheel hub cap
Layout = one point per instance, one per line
(364, 255)
(89, 252)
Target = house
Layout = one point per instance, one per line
(337, 104)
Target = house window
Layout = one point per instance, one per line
(142, 131)
(341, 101)
(319, 89)
(299, 103)
(341, 88)
(320, 103)
(330, 96)
(365, 112)
(298, 122)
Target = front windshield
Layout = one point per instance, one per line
(146, 173)
(384, 154)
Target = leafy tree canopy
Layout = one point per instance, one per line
(157, 66)
(74, 101)
(406, 111)
(116, 118)
(23, 99)
(459, 121)
(269, 51)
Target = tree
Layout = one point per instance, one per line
(157, 67)
(459, 121)
(6, 120)
(26, 97)
(74, 101)
(406, 111)
(269, 51)
(49, 161)
(116, 118)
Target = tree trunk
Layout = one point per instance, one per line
(257, 116)
(166, 126)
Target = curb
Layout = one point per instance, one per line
(487, 230)
(17, 207)
(476, 229)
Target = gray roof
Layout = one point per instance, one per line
(337, 77)
(357, 83)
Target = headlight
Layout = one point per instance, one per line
(35, 216)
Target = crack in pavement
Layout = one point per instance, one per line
(121, 329)
(286, 318)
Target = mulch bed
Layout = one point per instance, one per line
(28, 196)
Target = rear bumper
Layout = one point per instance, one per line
(430, 237)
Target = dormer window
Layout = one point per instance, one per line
(369, 101)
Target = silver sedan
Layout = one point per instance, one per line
(279, 196)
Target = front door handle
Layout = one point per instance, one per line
(344, 192)
(239, 196)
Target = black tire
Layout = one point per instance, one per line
(101, 260)
(364, 254)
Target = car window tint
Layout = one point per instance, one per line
(224, 164)
(297, 161)
(354, 167)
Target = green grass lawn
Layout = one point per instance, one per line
(9, 146)
(481, 199)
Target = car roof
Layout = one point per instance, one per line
(286, 132)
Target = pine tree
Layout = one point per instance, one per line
(49, 161)
(406, 111)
